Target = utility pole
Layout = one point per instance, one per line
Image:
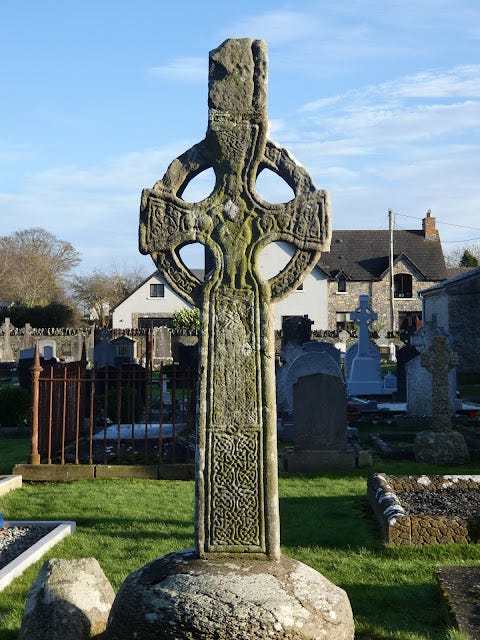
(392, 287)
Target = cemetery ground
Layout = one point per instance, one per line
(326, 522)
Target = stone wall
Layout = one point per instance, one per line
(402, 529)
(69, 342)
(464, 311)
(379, 292)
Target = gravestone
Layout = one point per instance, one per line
(235, 584)
(341, 345)
(418, 381)
(312, 362)
(352, 352)
(440, 445)
(6, 352)
(296, 330)
(162, 347)
(323, 347)
(364, 372)
(124, 350)
(307, 363)
(320, 425)
(103, 351)
(47, 350)
(404, 355)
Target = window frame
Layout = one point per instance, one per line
(157, 286)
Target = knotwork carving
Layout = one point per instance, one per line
(237, 504)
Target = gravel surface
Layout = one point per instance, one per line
(16, 540)
(449, 502)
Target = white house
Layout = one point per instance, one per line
(153, 302)
(310, 299)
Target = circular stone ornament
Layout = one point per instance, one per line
(180, 596)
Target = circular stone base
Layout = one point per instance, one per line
(179, 596)
(440, 447)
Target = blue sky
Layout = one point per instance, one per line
(380, 101)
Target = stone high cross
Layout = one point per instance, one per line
(438, 360)
(236, 466)
(363, 316)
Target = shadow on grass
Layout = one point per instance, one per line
(335, 522)
(404, 609)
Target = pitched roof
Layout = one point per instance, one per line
(198, 273)
(460, 278)
(364, 254)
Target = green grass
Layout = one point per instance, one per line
(326, 523)
(12, 450)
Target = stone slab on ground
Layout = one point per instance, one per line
(460, 588)
(70, 472)
(56, 530)
(8, 483)
(240, 598)
(303, 461)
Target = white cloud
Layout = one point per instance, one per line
(278, 27)
(188, 69)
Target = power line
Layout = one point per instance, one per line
(450, 224)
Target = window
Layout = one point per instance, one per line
(342, 320)
(402, 285)
(151, 323)
(157, 290)
(342, 285)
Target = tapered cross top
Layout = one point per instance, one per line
(363, 316)
(236, 477)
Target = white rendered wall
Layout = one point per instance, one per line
(141, 303)
(312, 300)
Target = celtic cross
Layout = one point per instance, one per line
(438, 360)
(236, 466)
(363, 316)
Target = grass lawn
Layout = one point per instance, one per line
(326, 523)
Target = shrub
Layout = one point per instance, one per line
(186, 320)
(14, 406)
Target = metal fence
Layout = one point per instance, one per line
(112, 415)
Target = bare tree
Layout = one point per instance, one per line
(453, 258)
(101, 291)
(33, 265)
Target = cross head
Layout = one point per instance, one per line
(236, 464)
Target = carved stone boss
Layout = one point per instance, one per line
(236, 467)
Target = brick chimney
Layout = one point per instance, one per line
(428, 226)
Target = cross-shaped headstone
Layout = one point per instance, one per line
(363, 316)
(438, 360)
(236, 467)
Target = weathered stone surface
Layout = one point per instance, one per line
(237, 496)
(69, 600)
(440, 447)
(245, 599)
(438, 360)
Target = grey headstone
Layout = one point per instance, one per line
(305, 365)
(162, 346)
(320, 412)
(419, 389)
(324, 347)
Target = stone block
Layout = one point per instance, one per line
(311, 461)
(69, 600)
(54, 472)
